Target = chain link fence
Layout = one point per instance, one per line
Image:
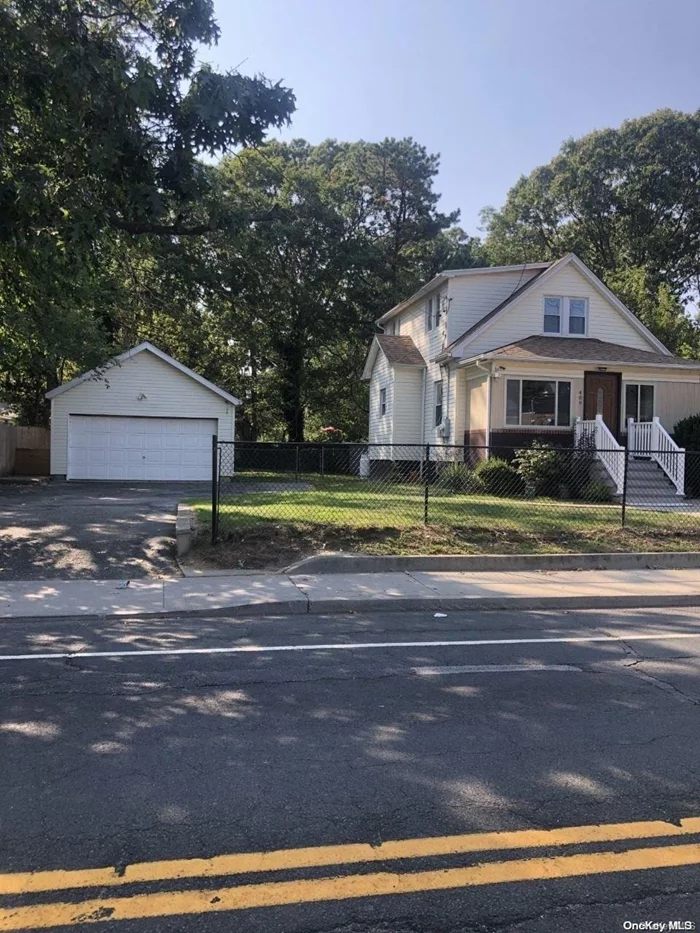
(361, 490)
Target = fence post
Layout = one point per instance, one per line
(323, 464)
(214, 488)
(296, 464)
(624, 481)
(426, 483)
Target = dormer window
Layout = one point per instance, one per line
(565, 316)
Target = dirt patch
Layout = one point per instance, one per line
(274, 546)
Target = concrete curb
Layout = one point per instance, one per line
(484, 563)
(393, 604)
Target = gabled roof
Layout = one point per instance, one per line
(496, 311)
(540, 279)
(447, 274)
(98, 373)
(398, 349)
(583, 350)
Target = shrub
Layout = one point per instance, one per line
(541, 469)
(596, 491)
(579, 463)
(457, 477)
(687, 433)
(499, 478)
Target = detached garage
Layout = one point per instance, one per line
(144, 416)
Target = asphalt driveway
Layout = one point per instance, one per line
(90, 530)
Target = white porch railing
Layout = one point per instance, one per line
(650, 439)
(608, 451)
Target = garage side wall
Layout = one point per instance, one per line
(168, 393)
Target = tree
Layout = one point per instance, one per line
(627, 201)
(354, 229)
(104, 117)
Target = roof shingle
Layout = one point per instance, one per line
(585, 349)
(400, 349)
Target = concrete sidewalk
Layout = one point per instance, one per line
(257, 593)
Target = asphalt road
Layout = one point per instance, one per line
(113, 760)
(90, 530)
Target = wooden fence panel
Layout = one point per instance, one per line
(8, 446)
(24, 451)
(32, 457)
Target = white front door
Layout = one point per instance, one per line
(112, 447)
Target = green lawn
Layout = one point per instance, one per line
(269, 527)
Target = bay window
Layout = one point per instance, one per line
(531, 402)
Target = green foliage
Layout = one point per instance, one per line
(353, 228)
(104, 115)
(686, 433)
(499, 478)
(578, 465)
(626, 201)
(541, 468)
(458, 477)
(596, 491)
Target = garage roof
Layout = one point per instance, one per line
(98, 373)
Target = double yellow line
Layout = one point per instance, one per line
(275, 893)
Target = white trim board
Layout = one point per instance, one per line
(97, 373)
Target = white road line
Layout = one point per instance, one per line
(492, 669)
(346, 646)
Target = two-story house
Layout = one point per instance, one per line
(498, 356)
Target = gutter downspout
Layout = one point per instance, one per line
(422, 408)
(489, 377)
(447, 400)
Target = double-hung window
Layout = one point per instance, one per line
(438, 309)
(382, 402)
(639, 402)
(552, 315)
(565, 316)
(538, 402)
(438, 402)
(429, 310)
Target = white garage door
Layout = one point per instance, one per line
(108, 447)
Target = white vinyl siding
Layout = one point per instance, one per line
(382, 378)
(477, 395)
(429, 344)
(673, 400)
(525, 318)
(408, 393)
(166, 393)
(471, 297)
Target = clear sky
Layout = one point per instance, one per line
(494, 86)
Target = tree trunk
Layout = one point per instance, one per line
(291, 370)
